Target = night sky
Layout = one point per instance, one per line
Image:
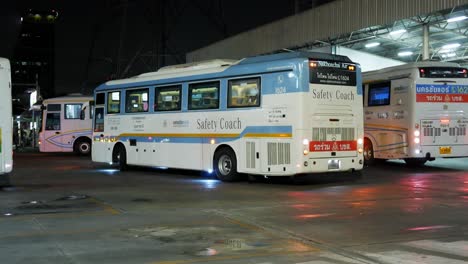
(88, 33)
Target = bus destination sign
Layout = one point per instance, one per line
(332, 73)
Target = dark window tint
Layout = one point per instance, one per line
(99, 120)
(54, 107)
(52, 121)
(167, 98)
(72, 111)
(204, 95)
(136, 101)
(379, 94)
(100, 99)
(244, 92)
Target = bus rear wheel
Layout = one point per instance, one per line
(368, 152)
(83, 147)
(225, 165)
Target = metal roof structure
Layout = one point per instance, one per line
(403, 39)
(388, 28)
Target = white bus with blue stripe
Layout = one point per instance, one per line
(6, 118)
(274, 115)
(416, 112)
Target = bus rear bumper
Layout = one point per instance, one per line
(331, 165)
(433, 152)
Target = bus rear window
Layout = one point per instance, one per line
(332, 72)
(379, 94)
(443, 72)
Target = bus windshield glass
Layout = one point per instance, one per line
(443, 72)
(332, 73)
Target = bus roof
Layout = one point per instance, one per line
(217, 66)
(4, 60)
(70, 97)
(412, 65)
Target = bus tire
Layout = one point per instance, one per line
(120, 156)
(368, 153)
(83, 146)
(225, 165)
(415, 162)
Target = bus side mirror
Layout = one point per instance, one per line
(82, 114)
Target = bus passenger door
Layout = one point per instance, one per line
(99, 152)
(52, 138)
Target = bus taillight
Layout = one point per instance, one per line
(445, 121)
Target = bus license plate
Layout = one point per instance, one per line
(445, 150)
(333, 164)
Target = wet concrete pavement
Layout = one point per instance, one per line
(66, 209)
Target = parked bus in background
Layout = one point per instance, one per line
(416, 112)
(275, 115)
(6, 118)
(66, 124)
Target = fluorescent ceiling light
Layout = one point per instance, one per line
(455, 19)
(405, 53)
(372, 44)
(401, 31)
(448, 55)
(451, 46)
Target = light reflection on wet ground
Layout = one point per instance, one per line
(182, 217)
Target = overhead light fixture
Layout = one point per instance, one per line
(405, 53)
(396, 32)
(451, 46)
(455, 19)
(448, 55)
(372, 44)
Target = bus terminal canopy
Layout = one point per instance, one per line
(392, 29)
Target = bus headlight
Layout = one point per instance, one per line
(417, 140)
(306, 152)
(360, 150)
(305, 142)
(417, 133)
(360, 141)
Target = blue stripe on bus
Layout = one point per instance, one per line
(206, 140)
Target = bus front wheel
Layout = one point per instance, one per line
(225, 165)
(368, 152)
(120, 157)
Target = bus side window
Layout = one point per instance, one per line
(244, 92)
(167, 98)
(136, 101)
(113, 102)
(204, 95)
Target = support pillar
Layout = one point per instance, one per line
(425, 47)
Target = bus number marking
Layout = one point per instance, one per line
(280, 90)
